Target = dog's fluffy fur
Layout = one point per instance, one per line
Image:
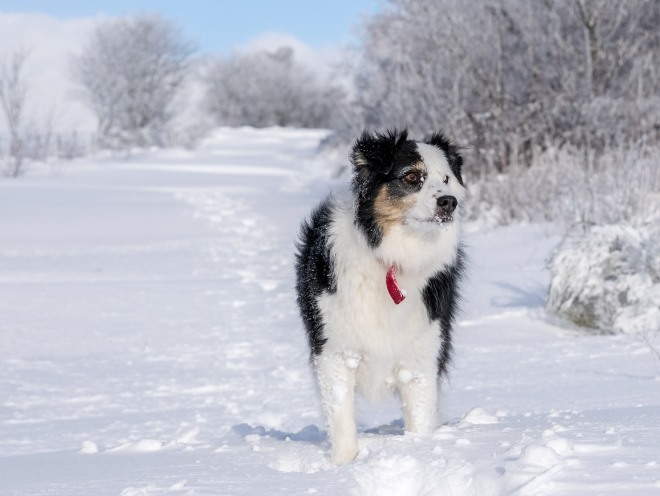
(397, 215)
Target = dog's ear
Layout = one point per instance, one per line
(451, 151)
(375, 153)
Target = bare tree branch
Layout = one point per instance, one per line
(13, 96)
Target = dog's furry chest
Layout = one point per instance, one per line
(361, 315)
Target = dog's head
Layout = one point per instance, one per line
(398, 181)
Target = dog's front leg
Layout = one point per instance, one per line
(336, 378)
(419, 397)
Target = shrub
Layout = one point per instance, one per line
(608, 279)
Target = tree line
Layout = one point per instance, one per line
(510, 77)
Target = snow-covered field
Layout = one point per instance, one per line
(150, 345)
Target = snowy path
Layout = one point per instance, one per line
(150, 345)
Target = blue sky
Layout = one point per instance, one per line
(220, 26)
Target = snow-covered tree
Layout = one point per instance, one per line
(132, 70)
(271, 89)
(511, 77)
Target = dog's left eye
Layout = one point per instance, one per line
(412, 177)
(446, 180)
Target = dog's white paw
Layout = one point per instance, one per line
(344, 453)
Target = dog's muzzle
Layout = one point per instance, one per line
(446, 206)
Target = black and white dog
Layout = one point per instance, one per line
(377, 276)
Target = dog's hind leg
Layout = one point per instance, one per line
(336, 377)
(419, 397)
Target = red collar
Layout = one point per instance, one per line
(397, 294)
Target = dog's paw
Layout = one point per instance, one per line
(344, 453)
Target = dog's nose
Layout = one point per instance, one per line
(447, 204)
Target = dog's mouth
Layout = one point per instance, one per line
(438, 218)
(442, 218)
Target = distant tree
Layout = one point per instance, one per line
(13, 97)
(271, 89)
(132, 70)
(25, 137)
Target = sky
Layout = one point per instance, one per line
(224, 25)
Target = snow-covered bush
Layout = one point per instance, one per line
(566, 186)
(72, 145)
(609, 278)
(271, 89)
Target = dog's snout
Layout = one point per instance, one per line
(447, 203)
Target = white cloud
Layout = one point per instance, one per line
(51, 42)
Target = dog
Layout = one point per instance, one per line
(377, 281)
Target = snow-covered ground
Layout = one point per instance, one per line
(150, 345)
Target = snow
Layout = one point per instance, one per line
(478, 416)
(150, 345)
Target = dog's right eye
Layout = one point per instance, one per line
(412, 177)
